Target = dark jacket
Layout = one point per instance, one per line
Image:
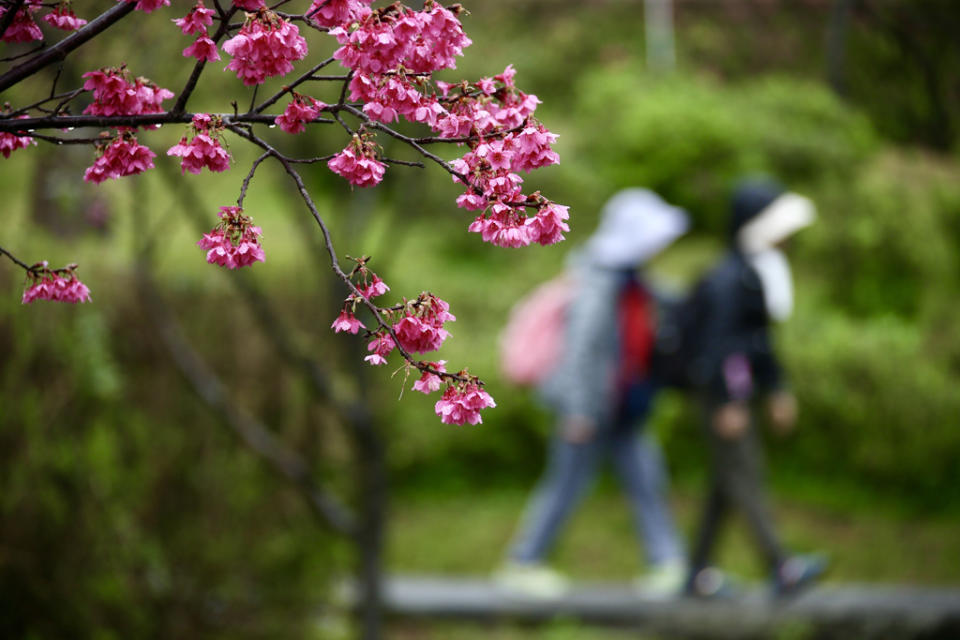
(733, 320)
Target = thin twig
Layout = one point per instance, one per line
(246, 181)
(112, 122)
(16, 260)
(306, 76)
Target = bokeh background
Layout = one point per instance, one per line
(128, 509)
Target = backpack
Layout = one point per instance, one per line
(675, 362)
(531, 343)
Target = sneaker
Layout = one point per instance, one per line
(533, 580)
(797, 573)
(663, 580)
(709, 583)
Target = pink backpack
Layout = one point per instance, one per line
(531, 343)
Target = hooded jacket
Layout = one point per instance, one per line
(737, 300)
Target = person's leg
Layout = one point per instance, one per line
(569, 471)
(739, 473)
(639, 463)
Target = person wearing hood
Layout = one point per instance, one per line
(602, 392)
(736, 367)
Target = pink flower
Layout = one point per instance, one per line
(504, 228)
(335, 13)
(533, 149)
(249, 5)
(430, 382)
(302, 109)
(10, 142)
(234, 242)
(23, 28)
(196, 21)
(421, 328)
(63, 17)
(377, 287)
(461, 404)
(548, 226)
(202, 49)
(61, 285)
(380, 346)
(122, 157)
(203, 150)
(360, 171)
(148, 6)
(266, 46)
(114, 94)
(346, 321)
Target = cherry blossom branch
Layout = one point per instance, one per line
(191, 84)
(17, 261)
(111, 122)
(68, 95)
(60, 50)
(39, 47)
(286, 89)
(335, 262)
(246, 181)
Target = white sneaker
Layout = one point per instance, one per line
(663, 580)
(533, 580)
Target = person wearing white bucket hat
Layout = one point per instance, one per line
(601, 391)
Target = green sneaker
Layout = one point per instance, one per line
(533, 580)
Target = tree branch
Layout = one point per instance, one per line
(68, 44)
(112, 122)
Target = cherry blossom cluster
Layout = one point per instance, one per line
(334, 13)
(203, 150)
(122, 157)
(234, 242)
(462, 402)
(195, 23)
(267, 45)
(58, 285)
(116, 94)
(23, 28)
(359, 162)
(301, 110)
(10, 142)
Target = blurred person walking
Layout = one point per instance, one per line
(602, 393)
(736, 367)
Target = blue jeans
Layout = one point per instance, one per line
(571, 468)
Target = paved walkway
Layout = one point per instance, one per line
(848, 611)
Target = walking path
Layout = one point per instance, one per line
(836, 610)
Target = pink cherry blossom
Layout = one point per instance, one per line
(122, 157)
(196, 21)
(203, 48)
(115, 94)
(266, 46)
(505, 227)
(302, 109)
(23, 28)
(148, 6)
(548, 226)
(359, 170)
(234, 242)
(63, 17)
(430, 382)
(10, 142)
(377, 287)
(249, 5)
(346, 321)
(334, 13)
(462, 404)
(61, 285)
(204, 149)
(380, 347)
(533, 149)
(421, 328)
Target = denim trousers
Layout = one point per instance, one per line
(571, 468)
